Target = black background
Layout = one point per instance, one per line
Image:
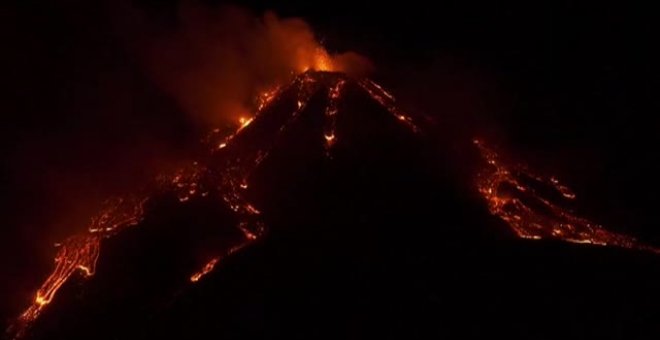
(568, 87)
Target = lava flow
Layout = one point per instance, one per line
(79, 252)
(531, 205)
(527, 202)
(229, 177)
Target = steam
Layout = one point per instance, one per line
(214, 61)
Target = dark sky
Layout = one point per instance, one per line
(572, 88)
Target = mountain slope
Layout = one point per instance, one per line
(342, 221)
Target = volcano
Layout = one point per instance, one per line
(332, 214)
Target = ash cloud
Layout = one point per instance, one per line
(213, 61)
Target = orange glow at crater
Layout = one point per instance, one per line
(320, 61)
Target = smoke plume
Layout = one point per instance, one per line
(213, 61)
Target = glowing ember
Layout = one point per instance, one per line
(522, 199)
(118, 213)
(266, 97)
(263, 100)
(209, 266)
(205, 270)
(245, 122)
(329, 139)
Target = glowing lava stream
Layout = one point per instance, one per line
(76, 253)
(80, 253)
(208, 267)
(230, 180)
(387, 100)
(522, 199)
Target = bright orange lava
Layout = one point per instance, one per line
(208, 267)
(523, 200)
(80, 253)
(245, 121)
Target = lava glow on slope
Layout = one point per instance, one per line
(79, 253)
(320, 61)
(231, 178)
(531, 205)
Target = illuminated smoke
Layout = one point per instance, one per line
(215, 60)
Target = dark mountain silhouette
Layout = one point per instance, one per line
(343, 219)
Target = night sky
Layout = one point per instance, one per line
(569, 88)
